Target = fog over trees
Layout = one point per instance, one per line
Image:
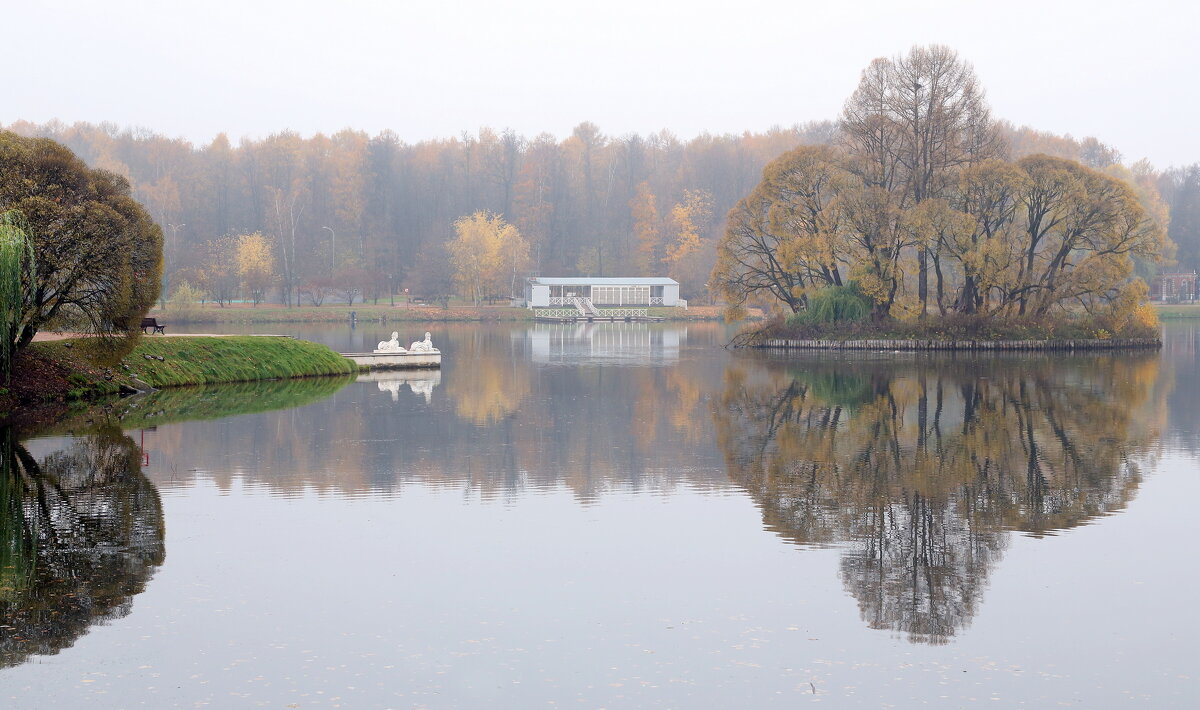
(359, 215)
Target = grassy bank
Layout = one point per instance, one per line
(1171, 312)
(52, 378)
(210, 313)
(175, 361)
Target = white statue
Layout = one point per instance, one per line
(423, 346)
(390, 346)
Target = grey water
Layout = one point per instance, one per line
(616, 515)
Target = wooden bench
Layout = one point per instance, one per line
(152, 324)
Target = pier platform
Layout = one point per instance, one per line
(396, 361)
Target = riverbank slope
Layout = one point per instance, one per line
(50, 377)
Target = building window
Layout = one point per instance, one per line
(621, 295)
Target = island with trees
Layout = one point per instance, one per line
(916, 224)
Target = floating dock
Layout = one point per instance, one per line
(396, 361)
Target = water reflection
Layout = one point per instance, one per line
(81, 532)
(1181, 346)
(604, 343)
(922, 468)
(419, 382)
(228, 400)
(490, 379)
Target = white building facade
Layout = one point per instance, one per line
(545, 292)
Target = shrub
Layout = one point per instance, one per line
(184, 302)
(834, 304)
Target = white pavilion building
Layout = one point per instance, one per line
(546, 292)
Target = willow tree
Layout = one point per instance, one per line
(98, 253)
(784, 238)
(16, 279)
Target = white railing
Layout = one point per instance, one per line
(622, 312)
(560, 300)
(574, 314)
(656, 300)
(556, 313)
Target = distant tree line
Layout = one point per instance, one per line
(351, 215)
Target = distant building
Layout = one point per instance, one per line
(544, 292)
(1174, 287)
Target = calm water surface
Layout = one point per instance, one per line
(616, 516)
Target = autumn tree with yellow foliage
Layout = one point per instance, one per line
(647, 230)
(255, 265)
(489, 256)
(687, 257)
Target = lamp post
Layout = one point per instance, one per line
(171, 262)
(175, 236)
(332, 251)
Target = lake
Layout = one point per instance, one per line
(616, 515)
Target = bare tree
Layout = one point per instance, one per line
(914, 121)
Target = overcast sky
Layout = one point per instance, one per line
(1121, 71)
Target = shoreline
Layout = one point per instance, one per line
(389, 314)
(961, 345)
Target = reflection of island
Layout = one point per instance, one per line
(922, 468)
(420, 382)
(226, 400)
(81, 532)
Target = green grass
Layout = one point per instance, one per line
(238, 358)
(1168, 312)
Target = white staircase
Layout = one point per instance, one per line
(585, 307)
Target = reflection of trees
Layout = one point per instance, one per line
(493, 385)
(80, 534)
(923, 467)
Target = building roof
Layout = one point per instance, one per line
(605, 281)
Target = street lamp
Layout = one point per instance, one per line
(332, 250)
(175, 235)
(171, 262)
